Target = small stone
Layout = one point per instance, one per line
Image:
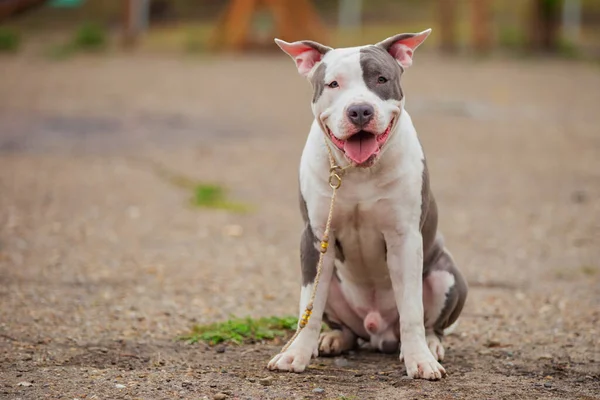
(25, 384)
(318, 390)
(120, 386)
(220, 396)
(341, 362)
(266, 381)
(251, 380)
(545, 356)
(493, 343)
(547, 385)
(233, 230)
(133, 212)
(579, 196)
(220, 349)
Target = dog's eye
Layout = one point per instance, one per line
(333, 85)
(382, 79)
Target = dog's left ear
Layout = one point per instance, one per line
(305, 53)
(402, 46)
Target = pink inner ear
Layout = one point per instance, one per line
(402, 53)
(305, 56)
(306, 61)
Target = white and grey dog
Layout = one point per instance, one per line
(390, 280)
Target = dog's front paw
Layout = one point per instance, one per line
(292, 360)
(422, 365)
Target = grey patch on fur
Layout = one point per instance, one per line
(317, 81)
(439, 259)
(435, 257)
(456, 296)
(377, 62)
(309, 255)
(428, 221)
(339, 251)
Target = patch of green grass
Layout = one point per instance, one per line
(90, 37)
(214, 196)
(10, 40)
(242, 330)
(589, 270)
(207, 195)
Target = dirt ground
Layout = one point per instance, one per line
(103, 263)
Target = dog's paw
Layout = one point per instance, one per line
(422, 365)
(435, 345)
(331, 343)
(292, 360)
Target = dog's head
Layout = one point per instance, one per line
(357, 96)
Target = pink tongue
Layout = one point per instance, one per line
(359, 149)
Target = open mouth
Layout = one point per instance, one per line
(362, 147)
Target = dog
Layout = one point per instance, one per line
(390, 280)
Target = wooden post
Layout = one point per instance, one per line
(447, 21)
(293, 20)
(544, 25)
(135, 20)
(481, 25)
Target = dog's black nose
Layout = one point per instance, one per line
(360, 114)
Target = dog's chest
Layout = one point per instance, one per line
(360, 245)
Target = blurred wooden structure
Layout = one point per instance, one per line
(293, 20)
(135, 20)
(9, 8)
(542, 24)
(480, 24)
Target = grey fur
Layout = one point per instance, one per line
(455, 298)
(309, 255)
(317, 81)
(377, 62)
(429, 218)
(436, 257)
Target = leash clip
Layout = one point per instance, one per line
(335, 176)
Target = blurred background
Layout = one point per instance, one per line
(566, 27)
(148, 178)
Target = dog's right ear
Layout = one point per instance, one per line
(306, 54)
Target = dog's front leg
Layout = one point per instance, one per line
(405, 262)
(297, 357)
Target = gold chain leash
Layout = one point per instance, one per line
(335, 182)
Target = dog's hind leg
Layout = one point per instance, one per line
(444, 295)
(336, 341)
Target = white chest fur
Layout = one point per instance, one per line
(371, 202)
